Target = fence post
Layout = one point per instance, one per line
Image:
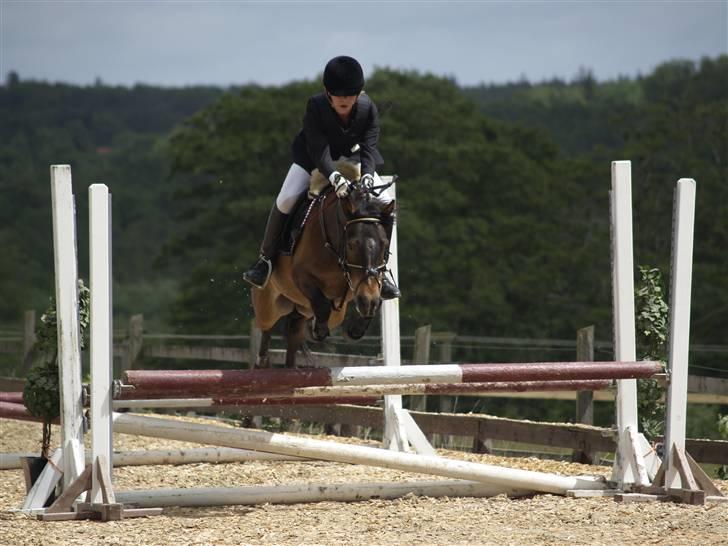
(445, 340)
(584, 399)
(134, 342)
(423, 335)
(255, 334)
(28, 339)
(446, 403)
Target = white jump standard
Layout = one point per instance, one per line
(632, 472)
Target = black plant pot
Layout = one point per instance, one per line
(35, 466)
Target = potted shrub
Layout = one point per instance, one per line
(41, 393)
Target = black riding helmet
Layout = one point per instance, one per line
(343, 77)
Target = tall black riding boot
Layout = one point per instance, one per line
(389, 290)
(259, 274)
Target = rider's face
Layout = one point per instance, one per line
(343, 105)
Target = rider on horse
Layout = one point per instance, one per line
(340, 123)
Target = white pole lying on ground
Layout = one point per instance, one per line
(194, 455)
(309, 492)
(348, 453)
(679, 343)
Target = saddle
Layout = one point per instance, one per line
(300, 214)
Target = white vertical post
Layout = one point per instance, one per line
(69, 342)
(391, 351)
(101, 331)
(682, 271)
(623, 311)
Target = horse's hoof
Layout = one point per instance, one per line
(354, 332)
(262, 362)
(318, 331)
(247, 421)
(356, 329)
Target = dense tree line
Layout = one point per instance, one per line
(503, 194)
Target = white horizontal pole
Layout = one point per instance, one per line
(300, 493)
(387, 375)
(346, 453)
(9, 461)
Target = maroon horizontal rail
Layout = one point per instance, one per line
(559, 371)
(210, 382)
(227, 401)
(519, 386)
(11, 396)
(9, 410)
(191, 383)
(358, 396)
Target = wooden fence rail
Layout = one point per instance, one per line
(482, 428)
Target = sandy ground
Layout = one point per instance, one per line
(542, 519)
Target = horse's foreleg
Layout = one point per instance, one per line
(263, 359)
(321, 307)
(295, 334)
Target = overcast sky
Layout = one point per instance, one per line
(235, 42)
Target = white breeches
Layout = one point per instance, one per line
(296, 183)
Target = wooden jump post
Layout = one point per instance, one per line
(630, 443)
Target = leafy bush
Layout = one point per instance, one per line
(41, 393)
(651, 325)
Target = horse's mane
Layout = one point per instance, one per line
(364, 206)
(349, 169)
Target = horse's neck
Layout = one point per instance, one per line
(329, 227)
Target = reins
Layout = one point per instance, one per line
(344, 264)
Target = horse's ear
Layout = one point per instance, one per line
(388, 209)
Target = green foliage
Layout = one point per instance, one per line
(41, 393)
(503, 200)
(651, 324)
(652, 315)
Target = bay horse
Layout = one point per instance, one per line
(340, 257)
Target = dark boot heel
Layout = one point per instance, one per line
(389, 290)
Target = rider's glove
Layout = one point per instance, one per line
(367, 181)
(340, 184)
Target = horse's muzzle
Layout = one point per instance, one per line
(366, 306)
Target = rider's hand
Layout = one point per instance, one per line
(367, 181)
(340, 184)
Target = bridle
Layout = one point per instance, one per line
(376, 272)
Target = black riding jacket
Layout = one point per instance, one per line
(323, 139)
